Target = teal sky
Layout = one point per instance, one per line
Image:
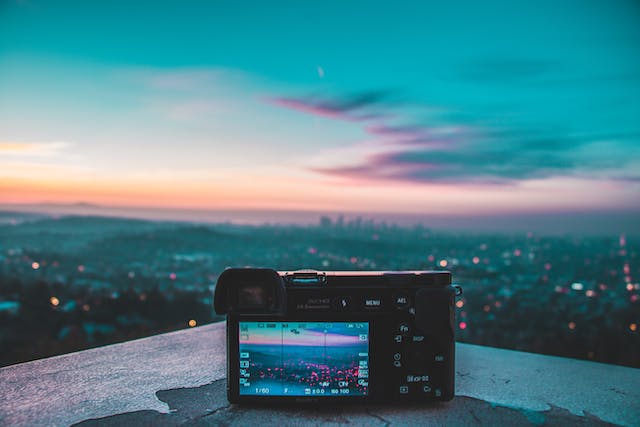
(493, 106)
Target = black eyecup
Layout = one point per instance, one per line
(223, 301)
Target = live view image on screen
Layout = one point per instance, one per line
(304, 358)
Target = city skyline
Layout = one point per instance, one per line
(418, 109)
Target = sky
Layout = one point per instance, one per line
(435, 108)
(311, 334)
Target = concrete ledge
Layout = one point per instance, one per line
(178, 378)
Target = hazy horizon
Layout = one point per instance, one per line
(605, 223)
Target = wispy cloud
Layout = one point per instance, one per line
(403, 148)
(477, 164)
(356, 107)
(32, 149)
(194, 96)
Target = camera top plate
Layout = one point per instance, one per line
(366, 278)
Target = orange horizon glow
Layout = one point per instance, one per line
(303, 194)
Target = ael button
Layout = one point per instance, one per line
(401, 300)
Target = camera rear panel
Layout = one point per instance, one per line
(405, 323)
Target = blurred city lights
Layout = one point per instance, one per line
(578, 283)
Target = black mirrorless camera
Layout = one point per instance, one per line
(338, 336)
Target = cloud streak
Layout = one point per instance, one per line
(472, 165)
(31, 149)
(354, 108)
(403, 149)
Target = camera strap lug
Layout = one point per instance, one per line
(458, 289)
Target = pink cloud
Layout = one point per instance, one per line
(311, 108)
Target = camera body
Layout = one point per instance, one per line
(309, 336)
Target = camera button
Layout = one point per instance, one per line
(397, 360)
(342, 303)
(372, 303)
(404, 329)
(418, 338)
(401, 300)
(404, 389)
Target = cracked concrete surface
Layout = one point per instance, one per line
(178, 379)
(206, 405)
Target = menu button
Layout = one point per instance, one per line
(373, 303)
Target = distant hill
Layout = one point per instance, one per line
(596, 223)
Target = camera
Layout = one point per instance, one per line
(310, 336)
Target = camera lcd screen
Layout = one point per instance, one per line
(304, 358)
